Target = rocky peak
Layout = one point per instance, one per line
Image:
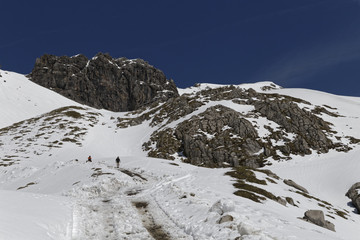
(104, 82)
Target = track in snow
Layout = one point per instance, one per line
(155, 230)
(110, 212)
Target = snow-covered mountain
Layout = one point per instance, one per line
(49, 191)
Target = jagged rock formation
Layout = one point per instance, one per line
(221, 136)
(317, 217)
(221, 126)
(354, 194)
(103, 82)
(309, 127)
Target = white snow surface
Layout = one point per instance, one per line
(256, 86)
(54, 194)
(21, 99)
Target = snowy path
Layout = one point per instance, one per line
(108, 214)
(152, 199)
(111, 211)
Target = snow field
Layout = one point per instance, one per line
(21, 99)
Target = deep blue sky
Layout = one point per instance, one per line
(294, 43)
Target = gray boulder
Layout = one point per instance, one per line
(103, 82)
(295, 185)
(354, 194)
(226, 218)
(281, 200)
(317, 217)
(290, 201)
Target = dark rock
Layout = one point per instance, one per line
(104, 82)
(290, 201)
(267, 151)
(317, 217)
(295, 185)
(354, 194)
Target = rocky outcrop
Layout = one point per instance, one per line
(295, 185)
(214, 138)
(354, 194)
(308, 127)
(103, 82)
(317, 217)
(220, 136)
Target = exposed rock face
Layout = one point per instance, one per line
(217, 136)
(317, 217)
(295, 185)
(220, 136)
(104, 82)
(293, 119)
(354, 194)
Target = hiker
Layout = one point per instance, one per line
(89, 159)
(117, 162)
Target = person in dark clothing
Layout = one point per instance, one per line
(117, 162)
(89, 159)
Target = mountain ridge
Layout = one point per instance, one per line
(103, 82)
(46, 153)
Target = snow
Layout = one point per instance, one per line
(52, 193)
(33, 216)
(203, 86)
(21, 99)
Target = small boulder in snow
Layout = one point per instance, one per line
(290, 201)
(354, 194)
(226, 218)
(281, 200)
(291, 183)
(317, 217)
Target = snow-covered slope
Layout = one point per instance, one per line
(48, 191)
(21, 99)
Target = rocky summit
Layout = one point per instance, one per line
(104, 82)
